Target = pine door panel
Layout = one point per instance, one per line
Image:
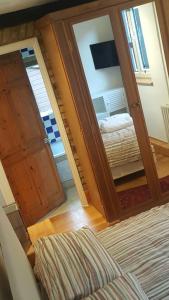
(27, 160)
(39, 163)
(12, 143)
(24, 191)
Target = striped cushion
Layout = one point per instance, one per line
(125, 287)
(73, 265)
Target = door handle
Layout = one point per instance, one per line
(135, 105)
(46, 140)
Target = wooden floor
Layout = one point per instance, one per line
(138, 179)
(72, 220)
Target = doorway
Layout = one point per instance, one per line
(53, 137)
(59, 155)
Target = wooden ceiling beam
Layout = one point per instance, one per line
(34, 13)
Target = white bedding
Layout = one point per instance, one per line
(121, 145)
(116, 122)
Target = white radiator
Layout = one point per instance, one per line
(165, 113)
(114, 100)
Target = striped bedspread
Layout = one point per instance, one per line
(141, 246)
(121, 146)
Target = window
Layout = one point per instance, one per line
(138, 53)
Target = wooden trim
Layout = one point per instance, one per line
(133, 97)
(160, 147)
(162, 9)
(87, 120)
(131, 3)
(82, 10)
(55, 43)
(60, 124)
(5, 189)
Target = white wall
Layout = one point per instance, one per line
(5, 292)
(90, 32)
(6, 196)
(2, 202)
(152, 97)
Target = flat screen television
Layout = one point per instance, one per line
(104, 55)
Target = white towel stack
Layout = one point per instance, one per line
(116, 122)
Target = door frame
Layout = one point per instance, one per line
(75, 66)
(5, 187)
(162, 37)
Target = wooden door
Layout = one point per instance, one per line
(26, 158)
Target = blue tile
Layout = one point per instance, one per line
(49, 129)
(24, 49)
(31, 52)
(53, 121)
(57, 134)
(53, 141)
(45, 118)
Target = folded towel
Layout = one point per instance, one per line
(116, 122)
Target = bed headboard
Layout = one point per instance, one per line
(20, 275)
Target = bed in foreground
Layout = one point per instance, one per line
(136, 250)
(141, 246)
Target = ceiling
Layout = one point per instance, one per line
(15, 12)
(7, 6)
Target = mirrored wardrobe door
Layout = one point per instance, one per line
(145, 46)
(101, 65)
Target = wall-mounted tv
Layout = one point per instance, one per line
(104, 55)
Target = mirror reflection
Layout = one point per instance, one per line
(101, 66)
(149, 66)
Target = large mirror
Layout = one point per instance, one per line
(149, 66)
(99, 58)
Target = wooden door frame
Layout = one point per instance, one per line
(122, 39)
(93, 142)
(5, 187)
(131, 90)
(63, 21)
(94, 7)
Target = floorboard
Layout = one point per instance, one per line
(71, 220)
(68, 221)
